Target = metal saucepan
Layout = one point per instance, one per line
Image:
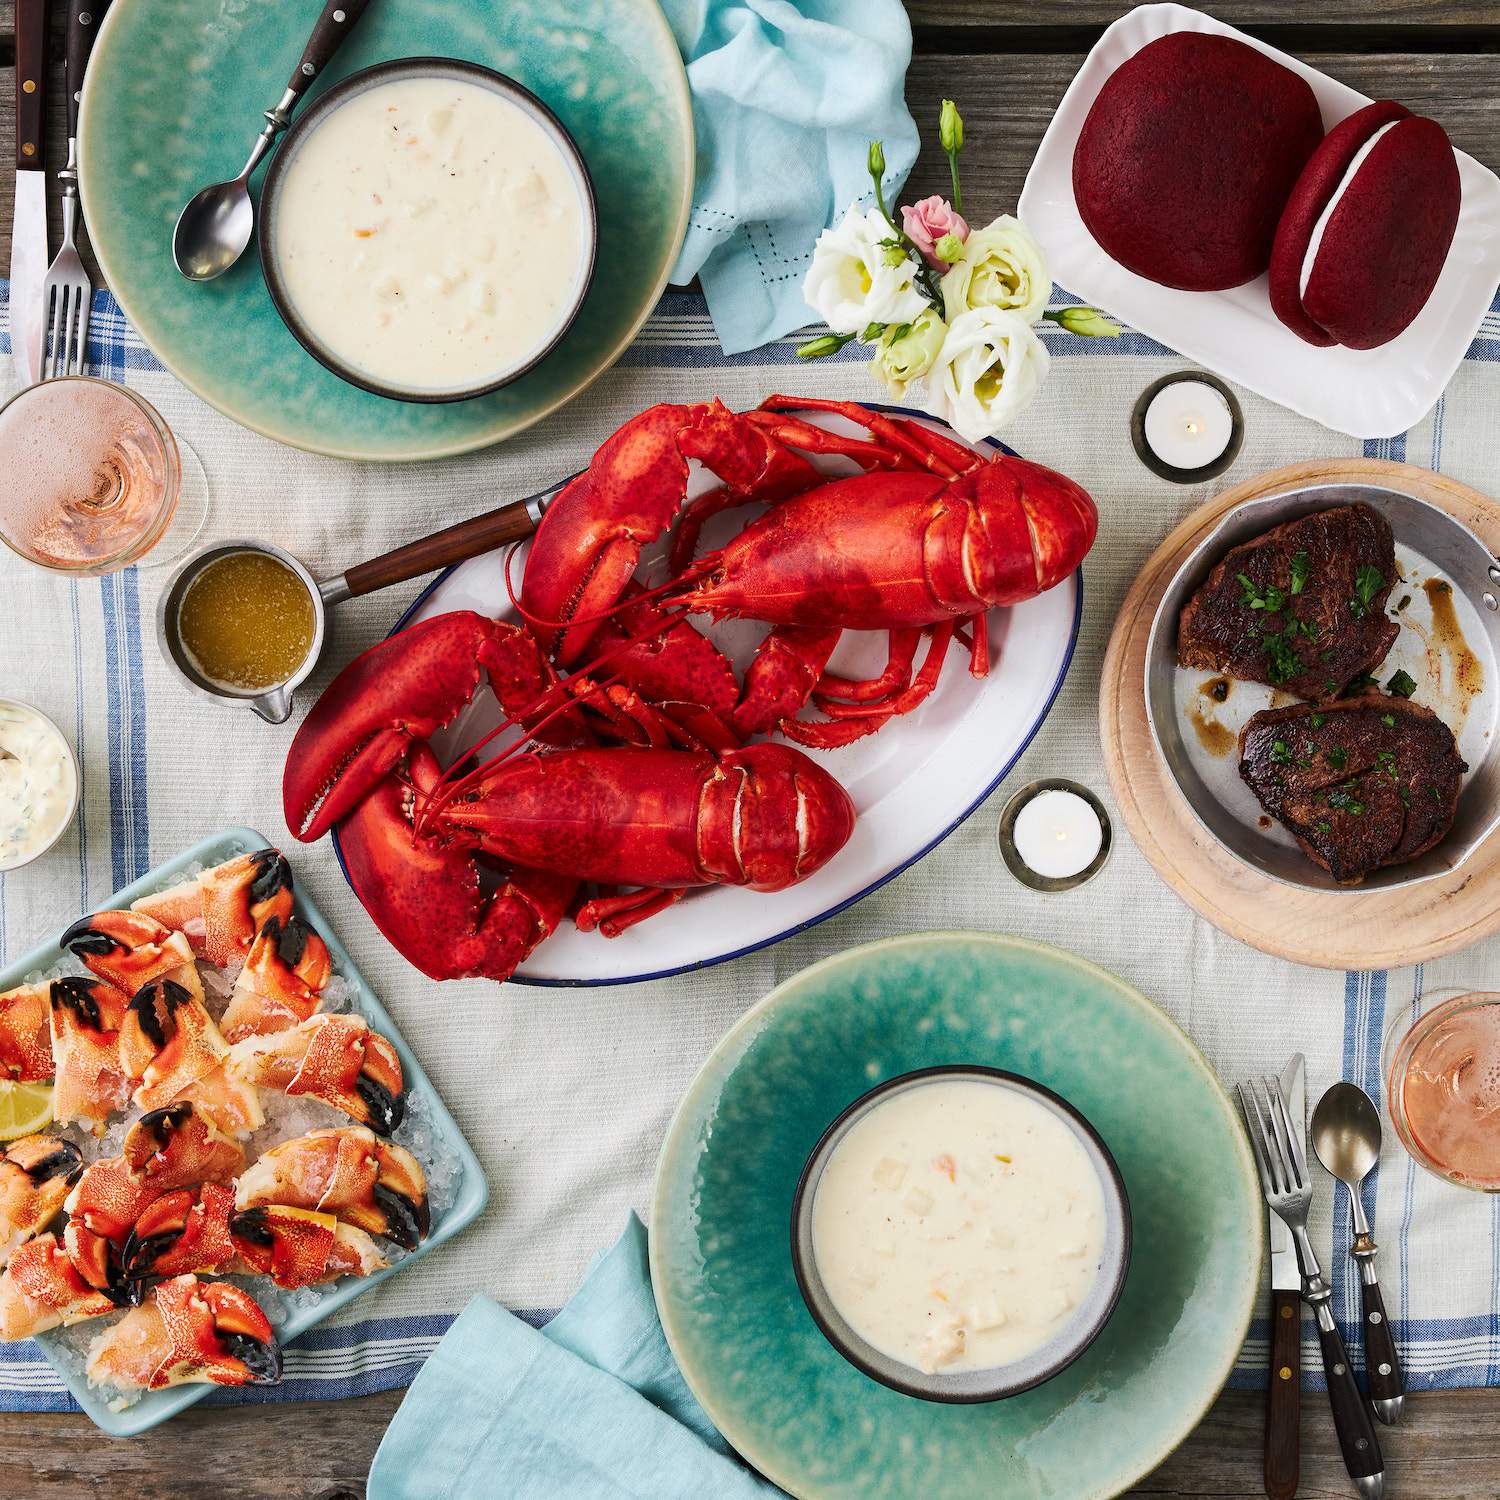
(1197, 738)
(454, 544)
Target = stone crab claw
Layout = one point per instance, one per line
(285, 972)
(188, 1332)
(36, 1173)
(168, 1040)
(178, 1145)
(347, 1171)
(184, 1230)
(25, 1042)
(300, 1246)
(220, 910)
(335, 1058)
(128, 948)
(40, 1288)
(91, 1083)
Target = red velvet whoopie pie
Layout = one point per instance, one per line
(1187, 156)
(1367, 228)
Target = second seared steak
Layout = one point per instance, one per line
(1361, 782)
(1301, 607)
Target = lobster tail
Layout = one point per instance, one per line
(769, 817)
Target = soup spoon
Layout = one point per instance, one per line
(1346, 1136)
(214, 228)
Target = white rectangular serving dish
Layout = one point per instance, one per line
(1366, 393)
(470, 1192)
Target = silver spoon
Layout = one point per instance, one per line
(1346, 1136)
(214, 228)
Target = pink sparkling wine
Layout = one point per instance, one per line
(89, 475)
(1445, 1090)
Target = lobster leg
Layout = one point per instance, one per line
(852, 721)
(613, 915)
(897, 673)
(787, 668)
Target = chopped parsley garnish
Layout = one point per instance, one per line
(1323, 827)
(1338, 758)
(1436, 795)
(1301, 566)
(1280, 752)
(1306, 627)
(1404, 795)
(1364, 680)
(1283, 663)
(1341, 797)
(1318, 720)
(1389, 720)
(1270, 598)
(1403, 685)
(1330, 686)
(1368, 582)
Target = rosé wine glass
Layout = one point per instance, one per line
(1441, 1062)
(92, 479)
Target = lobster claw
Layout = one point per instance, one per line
(398, 692)
(426, 896)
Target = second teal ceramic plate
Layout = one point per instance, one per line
(720, 1255)
(173, 99)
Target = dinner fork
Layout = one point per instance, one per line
(1281, 1159)
(67, 291)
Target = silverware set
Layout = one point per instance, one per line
(49, 303)
(1346, 1138)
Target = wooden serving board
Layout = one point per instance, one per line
(1349, 930)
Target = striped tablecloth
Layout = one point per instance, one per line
(565, 1095)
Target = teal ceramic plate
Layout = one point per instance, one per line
(470, 1191)
(720, 1253)
(173, 100)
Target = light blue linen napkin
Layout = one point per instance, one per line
(786, 99)
(591, 1407)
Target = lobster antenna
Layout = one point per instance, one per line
(688, 576)
(446, 788)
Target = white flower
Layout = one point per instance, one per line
(899, 361)
(990, 367)
(1002, 266)
(850, 283)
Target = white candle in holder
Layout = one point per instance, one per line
(1188, 424)
(1057, 834)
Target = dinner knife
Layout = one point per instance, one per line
(1284, 1394)
(28, 243)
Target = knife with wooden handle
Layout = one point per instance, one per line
(28, 242)
(1283, 1459)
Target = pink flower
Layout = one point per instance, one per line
(927, 222)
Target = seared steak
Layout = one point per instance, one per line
(1301, 607)
(1360, 782)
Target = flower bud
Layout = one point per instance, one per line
(1088, 321)
(819, 348)
(949, 249)
(877, 160)
(951, 127)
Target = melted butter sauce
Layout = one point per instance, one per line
(1218, 739)
(1448, 637)
(246, 622)
(38, 785)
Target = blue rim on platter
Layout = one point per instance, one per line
(723, 958)
(721, 1266)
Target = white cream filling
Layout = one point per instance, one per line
(1316, 242)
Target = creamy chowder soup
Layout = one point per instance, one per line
(431, 234)
(957, 1225)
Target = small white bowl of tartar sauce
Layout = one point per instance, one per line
(961, 1234)
(427, 229)
(38, 784)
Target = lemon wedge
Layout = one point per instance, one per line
(25, 1108)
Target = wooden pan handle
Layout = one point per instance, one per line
(442, 549)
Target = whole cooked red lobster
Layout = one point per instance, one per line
(635, 776)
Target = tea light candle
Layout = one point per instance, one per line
(1057, 834)
(1188, 424)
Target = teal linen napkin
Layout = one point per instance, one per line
(591, 1407)
(786, 99)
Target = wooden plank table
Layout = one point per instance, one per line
(1007, 62)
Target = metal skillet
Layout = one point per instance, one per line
(1196, 737)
